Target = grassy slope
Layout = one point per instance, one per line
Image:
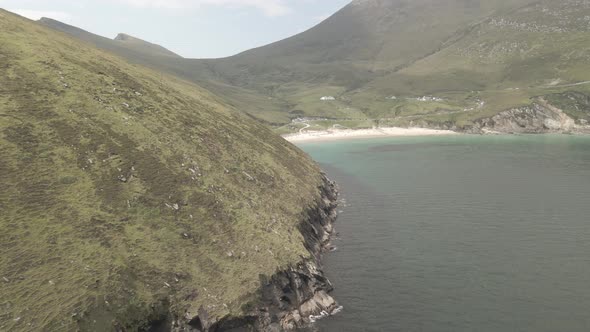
(504, 61)
(360, 42)
(363, 41)
(254, 103)
(501, 52)
(123, 44)
(479, 57)
(125, 193)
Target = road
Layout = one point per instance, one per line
(307, 125)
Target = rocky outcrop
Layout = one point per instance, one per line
(541, 117)
(292, 298)
(538, 118)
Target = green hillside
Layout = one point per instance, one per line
(136, 51)
(365, 39)
(507, 60)
(471, 59)
(129, 196)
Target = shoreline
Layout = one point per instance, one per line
(343, 134)
(296, 296)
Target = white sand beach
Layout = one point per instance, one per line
(340, 134)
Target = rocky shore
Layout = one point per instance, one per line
(292, 298)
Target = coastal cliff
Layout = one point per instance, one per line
(540, 117)
(293, 297)
(134, 201)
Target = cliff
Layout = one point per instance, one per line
(292, 298)
(540, 117)
(130, 199)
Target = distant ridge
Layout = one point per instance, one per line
(140, 43)
(126, 37)
(123, 43)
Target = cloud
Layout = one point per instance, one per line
(268, 7)
(271, 8)
(37, 14)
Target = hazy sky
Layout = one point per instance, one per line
(192, 28)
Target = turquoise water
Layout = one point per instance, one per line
(465, 233)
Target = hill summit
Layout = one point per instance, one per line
(123, 44)
(144, 45)
(124, 37)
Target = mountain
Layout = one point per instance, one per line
(127, 45)
(365, 39)
(132, 200)
(445, 64)
(154, 56)
(144, 46)
(437, 63)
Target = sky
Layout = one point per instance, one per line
(191, 28)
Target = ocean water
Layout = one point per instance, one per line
(462, 233)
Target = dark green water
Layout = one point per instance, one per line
(461, 233)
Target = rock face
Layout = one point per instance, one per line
(538, 118)
(541, 117)
(292, 298)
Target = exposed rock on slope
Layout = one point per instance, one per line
(540, 117)
(144, 46)
(291, 298)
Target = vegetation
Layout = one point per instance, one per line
(127, 194)
(502, 53)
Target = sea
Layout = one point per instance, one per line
(460, 233)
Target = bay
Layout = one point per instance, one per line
(460, 233)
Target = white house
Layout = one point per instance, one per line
(428, 98)
(327, 98)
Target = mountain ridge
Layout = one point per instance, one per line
(123, 37)
(373, 50)
(121, 42)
